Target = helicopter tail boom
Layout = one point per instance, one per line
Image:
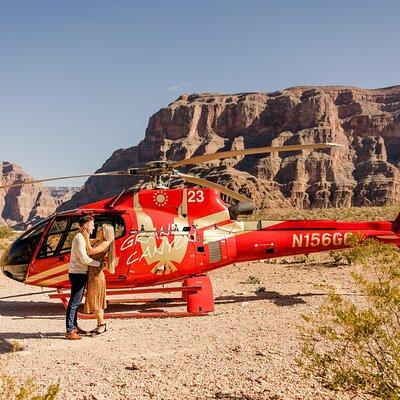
(304, 237)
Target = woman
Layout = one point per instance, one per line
(95, 301)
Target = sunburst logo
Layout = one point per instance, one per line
(160, 199)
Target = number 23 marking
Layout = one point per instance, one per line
(195, 196)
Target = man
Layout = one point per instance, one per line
(78, 270)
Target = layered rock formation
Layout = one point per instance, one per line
(21, 204)
(364, 171)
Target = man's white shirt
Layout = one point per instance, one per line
(79, 257)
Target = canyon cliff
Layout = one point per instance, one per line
(29, 202)
(363, 171)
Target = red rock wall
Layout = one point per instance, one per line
(363, 172)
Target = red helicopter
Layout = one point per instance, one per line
(168, 235)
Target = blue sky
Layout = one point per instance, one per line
(80, 79)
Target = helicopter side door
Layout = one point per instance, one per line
(50, 267)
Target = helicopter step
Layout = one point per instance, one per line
(196, 292)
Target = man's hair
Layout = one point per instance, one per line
(84, 219)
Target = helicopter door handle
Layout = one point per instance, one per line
(121, 277)
(62, 258)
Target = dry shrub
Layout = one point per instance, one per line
(16, 346)
(342, 214)
(356, 347)
(5, 232)
(252, 280)
(6, 235)
(10, 389)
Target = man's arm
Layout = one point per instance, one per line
(83, 255)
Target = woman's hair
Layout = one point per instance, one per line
(109, 235)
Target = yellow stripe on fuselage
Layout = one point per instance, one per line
(48, 272)
(54, 281)
(211, 219)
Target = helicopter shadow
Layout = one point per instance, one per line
(9, 340)
(280, 300)
(51, 310)
(31, 309)
(46, 310)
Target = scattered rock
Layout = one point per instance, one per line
(134, 367)
(228, 394)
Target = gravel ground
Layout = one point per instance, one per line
(246, 349)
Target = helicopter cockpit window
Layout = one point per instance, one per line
(59, 225)
(61, 232)
(59, 239)
(115, 220)
(23, 248)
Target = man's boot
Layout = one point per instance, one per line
(73, 335)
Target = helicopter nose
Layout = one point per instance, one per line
(11, 270)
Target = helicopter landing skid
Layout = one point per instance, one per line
(196, 292)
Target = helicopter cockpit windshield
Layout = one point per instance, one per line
(17, 257)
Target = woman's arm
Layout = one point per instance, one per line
(99, 248)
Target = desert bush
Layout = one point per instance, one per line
(252, 280)
(355, 347)
(301, 258)
(11, 390)
(342, 214)
(16, 346)
(5, 232)
(338, 256)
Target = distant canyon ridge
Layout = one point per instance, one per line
(30, 202)
(363, 172)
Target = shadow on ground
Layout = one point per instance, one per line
(31, 309)
(281, 300)
(45, 310)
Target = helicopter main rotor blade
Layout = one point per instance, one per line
(254, 150)
(114, 173)
(212, 185)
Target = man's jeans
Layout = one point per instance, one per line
(78, 283)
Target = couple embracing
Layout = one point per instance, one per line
(88, 259)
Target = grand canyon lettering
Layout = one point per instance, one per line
(167, 250)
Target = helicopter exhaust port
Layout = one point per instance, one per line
(241, 208)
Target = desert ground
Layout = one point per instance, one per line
(246, 349)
